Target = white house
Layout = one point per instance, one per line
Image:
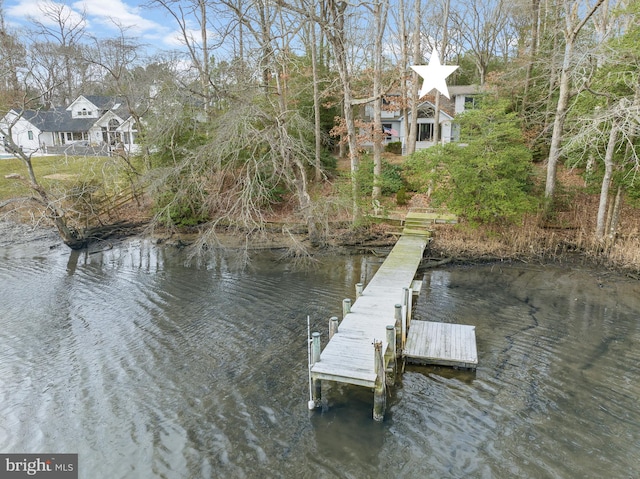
(96, 121)
(426, 122)
(464, 97)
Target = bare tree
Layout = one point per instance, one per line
(64, 30)
(317, 125)
(12, 54)
(606, 179)
(332, 19)
(618, 127)
(198, 46)
(380, 9)
(573, 25)
(118, 60)
(533, 49)
(443, 50)
(413, 96)
(481, 24)
(258, 150)
(51, 206)
(404, 63)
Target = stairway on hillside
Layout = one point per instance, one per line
(421, 223)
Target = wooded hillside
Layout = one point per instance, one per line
(254, 107)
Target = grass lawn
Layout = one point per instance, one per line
(59, 173)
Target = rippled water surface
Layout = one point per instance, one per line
(147, 367)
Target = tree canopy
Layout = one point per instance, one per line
(246, 112)
(487, 177)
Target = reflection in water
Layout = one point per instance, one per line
(150, 368)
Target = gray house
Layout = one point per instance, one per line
(395, 128)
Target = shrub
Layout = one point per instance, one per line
(401, 197)
(178, 210)
(394, 147)
(391, 177)
(329, 161)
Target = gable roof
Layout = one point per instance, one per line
(60, 119)
(426, 105)
(57, 120)
(465, 90)
(104, 104)
(101, 102)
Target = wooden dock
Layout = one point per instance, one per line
(375, 330)
(348, 357)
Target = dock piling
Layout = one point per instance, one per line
(380, 389)
(392, 367)
(317, 383)
(359, 287)
(346, 307)
(398, 324)
(333, 326)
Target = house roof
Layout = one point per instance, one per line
(60, 119)
(57, 120)
(426, 105)
(113, 104)
(464, 90)
(103, 102)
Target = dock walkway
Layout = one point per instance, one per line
(349, 355)
(375, 330)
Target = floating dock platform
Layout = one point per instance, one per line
(376, 330)
(442, 344)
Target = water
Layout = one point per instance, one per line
(150, 368)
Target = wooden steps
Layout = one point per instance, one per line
(414, 218)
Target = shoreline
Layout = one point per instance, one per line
(450, 245)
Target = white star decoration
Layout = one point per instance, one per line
(434, 75)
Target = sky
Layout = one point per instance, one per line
(150, 25)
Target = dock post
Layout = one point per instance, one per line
(398, 323)
(380, 389)
(405, 314)
(392, 368)
(346, 307)
(409, 293)
(359, 287)
(315, 357)
(333, 326)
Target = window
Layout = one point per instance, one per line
(469, 102)
(30, 135)
(455, 132)
(425, 131)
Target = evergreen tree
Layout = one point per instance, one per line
(485, 178)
